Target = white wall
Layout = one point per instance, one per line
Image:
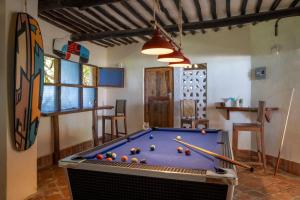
(21, 171)
(74, 128)
(283, 73)
(227, 54)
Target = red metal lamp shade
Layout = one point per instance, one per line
(176, 56)
(185, 63)
(157, 45)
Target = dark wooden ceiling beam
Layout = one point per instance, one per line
(228, 10)
(115, 9)
(258, 6)
(136, 13)
(199, 12)
(113, 19)
(184, 17)
(106, 23)
(244, 7)
(93, 22)
(294, 3)
(150, 11)
(58, 4)
(166, 12)
(213, 10)
(65, 25)
(275, 4)
(79, 22)
(235, 20)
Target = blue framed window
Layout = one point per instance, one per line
(68, 86)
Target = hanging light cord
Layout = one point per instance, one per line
(25, 6)
(180, 23)
(156, 8)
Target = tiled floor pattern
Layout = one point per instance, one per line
(52, 185)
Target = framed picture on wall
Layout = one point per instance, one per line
(111, 77)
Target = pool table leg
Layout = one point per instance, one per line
(230, 192)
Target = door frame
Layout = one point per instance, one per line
(171, 121)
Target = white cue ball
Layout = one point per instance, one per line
(178, 137)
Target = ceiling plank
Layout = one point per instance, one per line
(275, 4)
(294, 3)
(184, 17)
(45, 5)
(199, 12)
(235, 20)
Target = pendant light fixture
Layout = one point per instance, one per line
(157, 45)
(185, 63)
(176, 56)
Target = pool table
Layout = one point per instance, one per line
(167, 174)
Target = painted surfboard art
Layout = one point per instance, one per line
(29, 79)
(69, 50)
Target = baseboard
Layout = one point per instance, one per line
(285, 165)
(47, 161)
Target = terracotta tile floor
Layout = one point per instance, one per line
(52, 185)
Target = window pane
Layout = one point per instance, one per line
(88, 75)
(50, 69)
(49, 102)
(69, 98)
(89, 97)
(69, 72)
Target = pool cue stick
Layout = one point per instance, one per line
(284, 131)
(224, 158)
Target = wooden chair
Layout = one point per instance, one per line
(258, 129)
(120, 113)
(188, 114)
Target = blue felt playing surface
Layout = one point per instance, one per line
(165, 153)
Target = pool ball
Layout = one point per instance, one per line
(109, 159)
(151, 136)
(113, 156)
(108, 154)
(152, 147)
(99, 157)
(134, 160)
(132, 151)
(143, 161)
(137, 150)
(179, 149)
(124, 158)
(178, 137)
(203, 131)
(187, 152)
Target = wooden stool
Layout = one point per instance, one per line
(188, 114)
(258, 128)
(120, 113)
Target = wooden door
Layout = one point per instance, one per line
(159, 96)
